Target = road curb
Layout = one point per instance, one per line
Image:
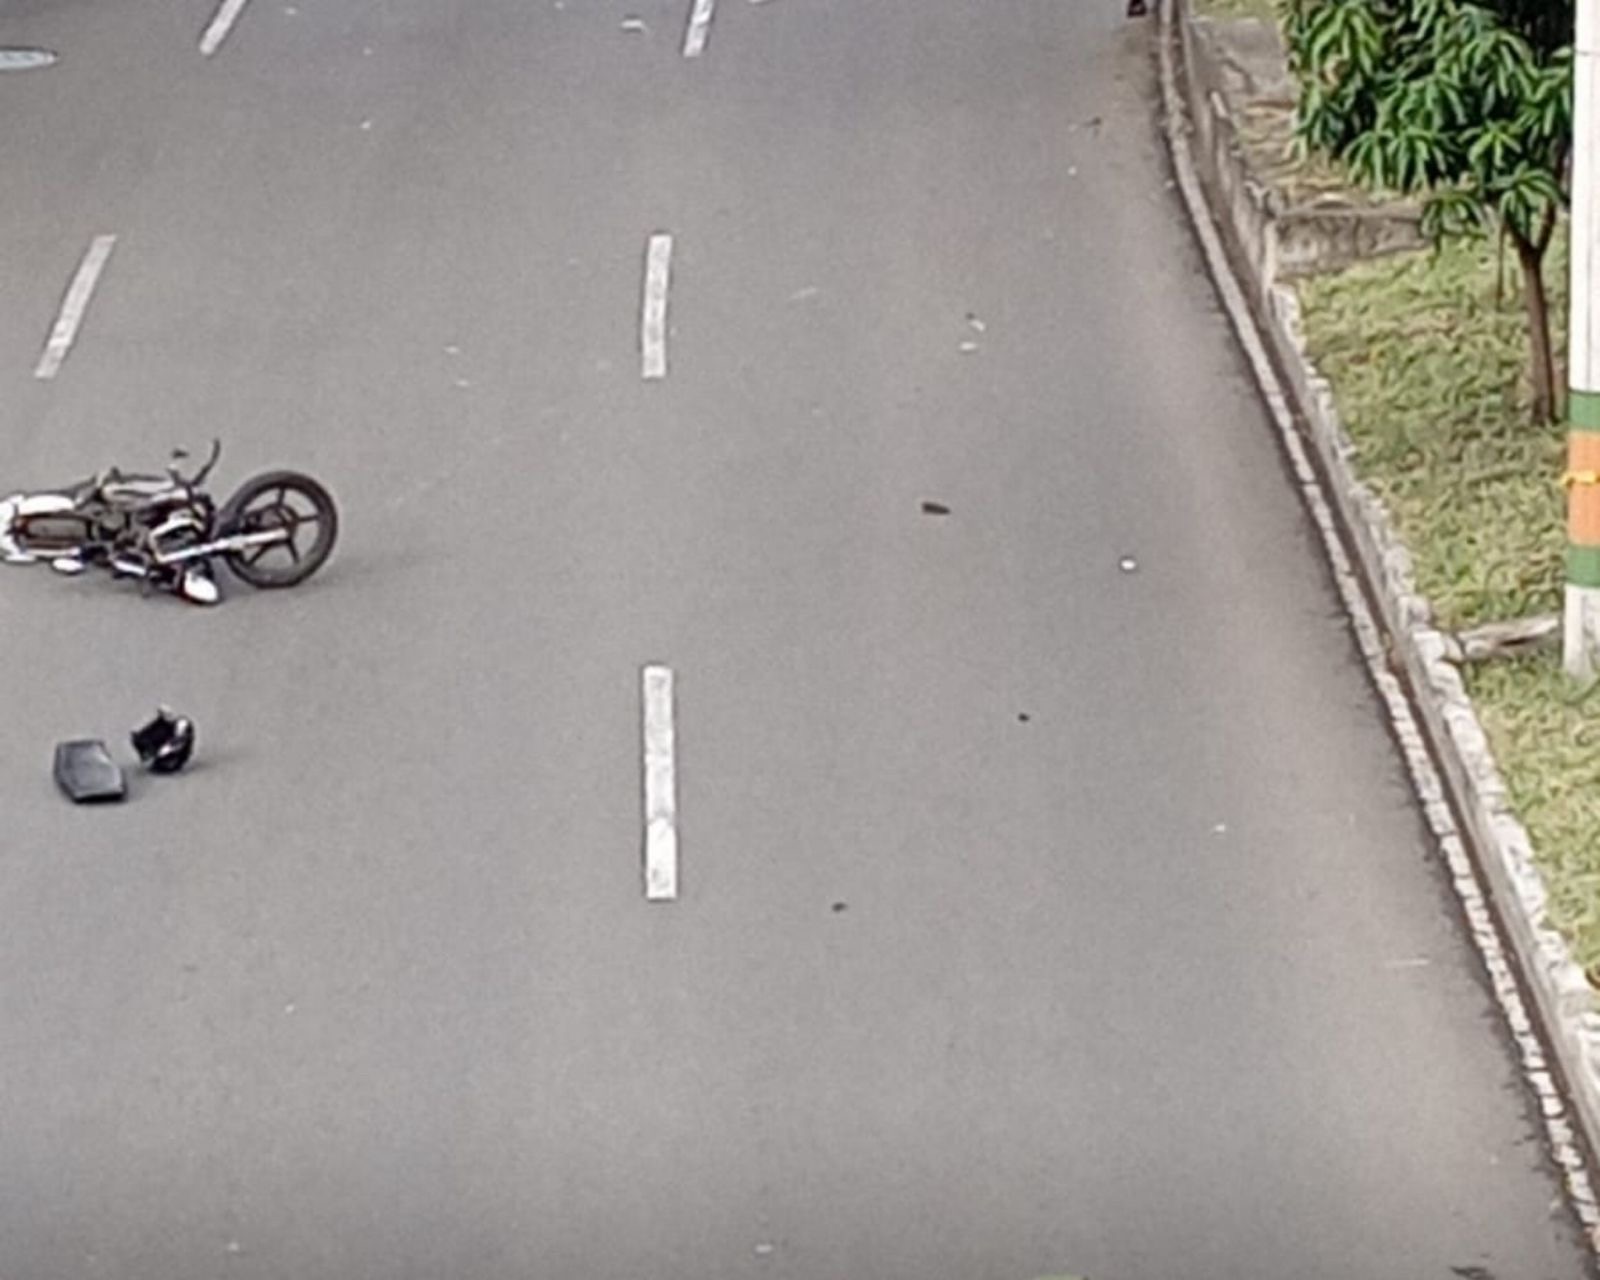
(1457, 781)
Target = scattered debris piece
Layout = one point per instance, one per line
(976, 323)
(935, 509)
(165, 743)
(800, 295)
(1220, 829)
(452, 350)
(1128, 564)
(87, 774)
(1024, 717)
(366, 124)
(762, 1250)
(634, 24)
(967, 348)
(1513, 639)
(840, 906)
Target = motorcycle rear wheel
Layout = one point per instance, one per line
(279, 500)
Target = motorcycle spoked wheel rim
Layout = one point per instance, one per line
(295, 503)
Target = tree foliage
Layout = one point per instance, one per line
(1467, 103)
(1547, 25)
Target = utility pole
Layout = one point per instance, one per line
(1581, 647)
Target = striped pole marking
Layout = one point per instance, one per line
(1581, 631)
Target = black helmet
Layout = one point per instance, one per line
(166, 743)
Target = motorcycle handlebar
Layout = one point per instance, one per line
(199, 476)
(216, 452)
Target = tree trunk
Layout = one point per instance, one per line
(1500, 272)
(1542, 370)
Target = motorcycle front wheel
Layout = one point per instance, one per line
(285, 500)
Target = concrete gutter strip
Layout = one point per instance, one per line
(1464, 797)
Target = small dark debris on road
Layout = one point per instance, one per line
(935, 509)
(165, 743)
(86, 773)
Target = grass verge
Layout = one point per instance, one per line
(1427, 357)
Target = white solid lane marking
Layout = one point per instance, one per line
(74, 306)
(694, 40)
(222, 23)
(660, 788)
(653, 322)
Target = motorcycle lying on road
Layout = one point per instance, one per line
(275, 531)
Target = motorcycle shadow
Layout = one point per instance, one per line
(206, 762)
(363, 571)
(354, 569)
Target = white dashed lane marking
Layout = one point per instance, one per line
(660, 787)
(221, 23)
(653, 317)
(74, 306)
(694, 39)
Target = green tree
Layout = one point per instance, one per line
(1466, 104)
(1545, 24)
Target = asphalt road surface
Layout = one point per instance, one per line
(1036, 915)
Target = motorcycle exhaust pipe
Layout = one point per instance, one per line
(128, 568)
(235, 542)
